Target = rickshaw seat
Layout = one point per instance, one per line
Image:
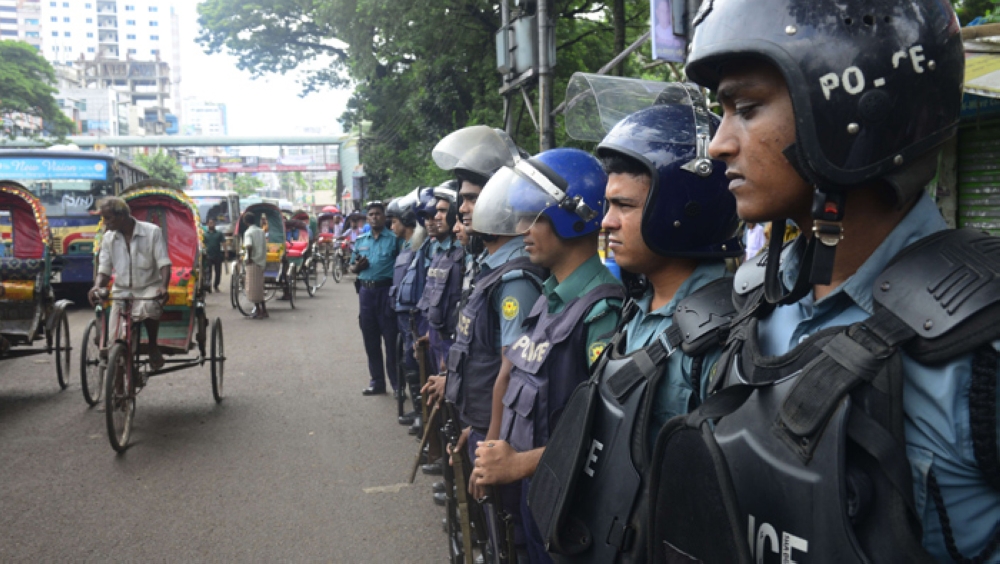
(21, 269)
(18, 290)
(273, 252)
(182, 285)
(296, 248)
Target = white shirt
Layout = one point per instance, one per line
(139, 269)
(254, 238)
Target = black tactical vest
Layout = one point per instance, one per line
(807, 460)
(553, 346)
(473, 361)
(408, 275)
(443, 290)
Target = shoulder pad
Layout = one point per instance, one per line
(945, 288)
(521, 273)
(750, 275)
(703, 317)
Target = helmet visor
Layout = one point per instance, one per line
(479, 149)
(512, 201)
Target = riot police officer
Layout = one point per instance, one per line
(556, 200)
(855, 379)
(671, 220)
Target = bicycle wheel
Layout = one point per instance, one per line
(119, 399)
(91, 371)
(62, 350)
(290, 285)
(309, 275)
(338, 268)
(235, 284)
(239, 290)
(322, 267)
(218, 360)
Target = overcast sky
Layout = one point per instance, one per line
(267, 106)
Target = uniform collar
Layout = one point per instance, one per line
(704, 273)
(574, 284)
(509, 250)
(923, 220)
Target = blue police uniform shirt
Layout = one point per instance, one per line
(674, 390)
(935, 399)
(512, 298)
(381, 253)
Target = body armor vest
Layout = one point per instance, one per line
(553, 346)
(807, 461)
(473, 361)
(408, 276)
(443, 290)
(588, 494)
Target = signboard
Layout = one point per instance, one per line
(38, 168)
(667, 23)
(199, 165)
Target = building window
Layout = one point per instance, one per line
(87, 6)
(90, 49)
(131, 51)
(8, 21)
(154, 37)
(30, 22)
(129, 8)
(32, 34)
(65, 4)
(67, 48)
(154, 9)
(53, 4)
(130, 36)
(90, 34)
(154, 24)
(55, 19)
(90, 20)
(66, 33)
(129, 22)
(55, 34)
(155, 52)
(66, 20)
(8, 32)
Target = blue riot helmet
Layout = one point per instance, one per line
(448, 192)
(565, 185)
(424, 207)
(689, 211)
(403, 209)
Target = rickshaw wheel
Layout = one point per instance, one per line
(218, 359)
(235, 283)
(322, 268)
(338, 268)
(290, 285)
(309, 275)
(91, 372)
(239, 294)
(62, 350)
(119, 402)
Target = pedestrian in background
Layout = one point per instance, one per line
(372, 260)
(213, 254)
(255, 245)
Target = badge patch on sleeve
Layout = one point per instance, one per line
(595, 351)
(510, 308)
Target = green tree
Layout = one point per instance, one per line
(419, 69)
(26, 80)
(247, 185)
(162, 166)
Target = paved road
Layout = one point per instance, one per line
(294, 465)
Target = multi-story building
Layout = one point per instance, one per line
(20, 19)
(113, 29)
(204, 118)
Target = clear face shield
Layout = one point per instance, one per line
(515, 197)
(596, 103)
(478, 148)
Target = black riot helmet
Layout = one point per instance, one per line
(403, 208)
(448, 192)
(876, 88)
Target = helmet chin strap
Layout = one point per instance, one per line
(816, 266)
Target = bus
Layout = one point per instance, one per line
(224, 207)
(68, 183)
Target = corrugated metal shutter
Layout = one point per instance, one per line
(979, 177)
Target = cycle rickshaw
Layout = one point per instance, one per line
(302, 240)
(29, 311)
(183, 325)
(279, 272)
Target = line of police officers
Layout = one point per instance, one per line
(835, 401)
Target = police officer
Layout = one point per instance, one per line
(407, 278)
(443, 290)
(833, 118)
(671, 220)
(372, 260)
(558, 198)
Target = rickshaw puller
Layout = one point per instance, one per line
(137, 255)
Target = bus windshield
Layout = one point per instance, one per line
(66, 187)
(213, 207)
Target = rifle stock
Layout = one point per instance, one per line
(421, 356)
(461, 491)
(423, 443)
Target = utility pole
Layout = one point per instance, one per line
(546, 135)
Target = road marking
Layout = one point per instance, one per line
(386, 489)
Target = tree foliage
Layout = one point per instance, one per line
(26, 86)
(162, 166)
(247, 185)
(420, 69)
